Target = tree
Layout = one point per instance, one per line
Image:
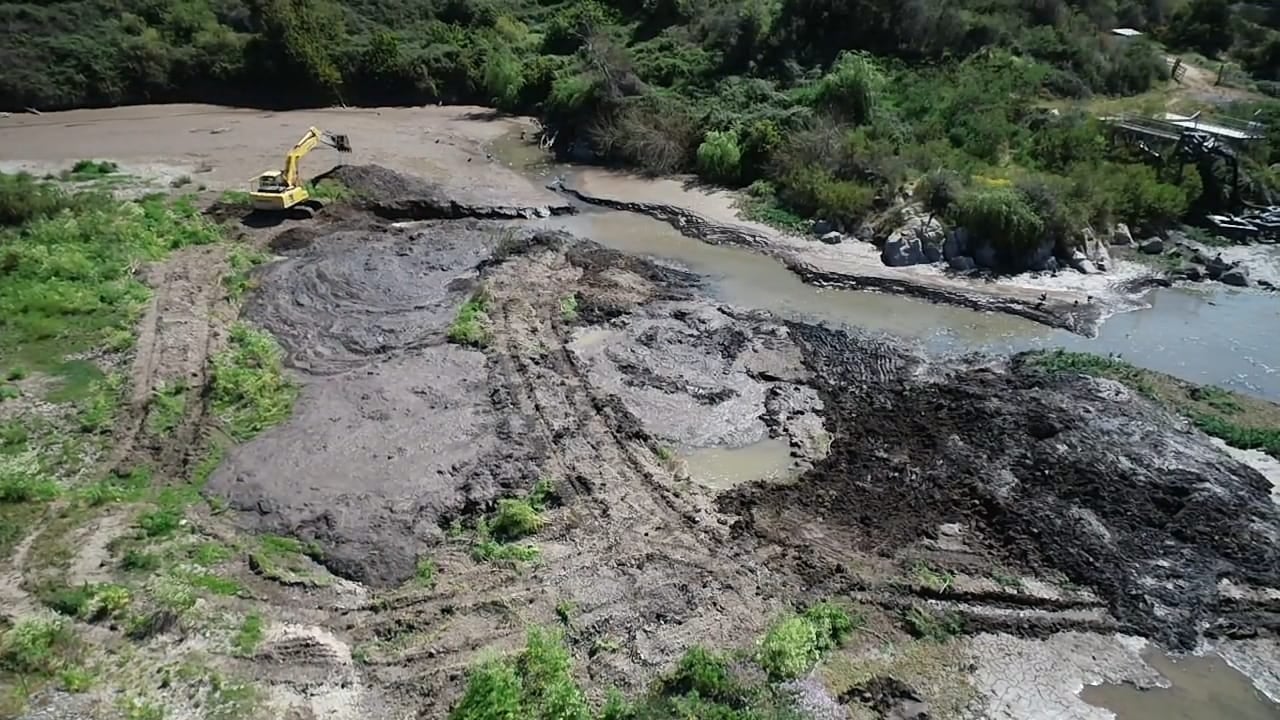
(299, 39)
(1201, 25)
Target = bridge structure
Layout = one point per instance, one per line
(1173, 140)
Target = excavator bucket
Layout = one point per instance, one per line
(341, 143)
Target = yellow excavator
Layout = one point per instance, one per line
(279, 190)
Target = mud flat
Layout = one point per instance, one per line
(1056, 506)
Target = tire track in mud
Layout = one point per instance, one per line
(181, 328)
(642, 564)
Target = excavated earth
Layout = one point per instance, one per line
(598, 362)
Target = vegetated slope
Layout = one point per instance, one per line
(829, 107)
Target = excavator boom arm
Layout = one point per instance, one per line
(308, 143)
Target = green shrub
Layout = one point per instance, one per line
(23, 199)
(514, 519)
(536, 684)
(719, 157)
(705, 674)
(159, 523)
(36, 646)
(1001, 216)
(471, 326)
(424, 574)
(796, 643)
(22, 480)
(851, 87)
(503, 78)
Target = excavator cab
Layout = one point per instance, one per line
(276, 190)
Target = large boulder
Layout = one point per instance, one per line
(1151, 246)
(962, 263)
(918, 240)
(833, 238)
(822, 227)
(1121, 235)
(1237, 276)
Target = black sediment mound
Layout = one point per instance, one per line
(1058, 473)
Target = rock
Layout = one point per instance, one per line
(822, 227)
(1267, 284)
(962, 263)
(1121, 235)
(833, 238)
(1191, 272)
(956, 244)
(1151, 246)
(1237, 276)
(919, 239)
(1087, 267)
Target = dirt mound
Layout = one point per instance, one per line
(1066, 474)
(396, 196)
(360, 295)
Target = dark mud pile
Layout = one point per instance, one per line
(1067, 474)
(396, 196)
(352, 296)
(396, 431)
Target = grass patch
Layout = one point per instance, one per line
(117, 487)
(471, 326)
(208, 554)
(569, 308)
(928, 625)
(168, 405)
(67, 280)
(160, 523)
(538, 683)
(1239, 420)
(515, 519)
(494, 551)
(215, 584)
(285, 560)
(794, 645)
(928, 578)
(239, 198)
(86, 170)
(37, 646)
(242, 260)
(249, 635)
(424, 575)
(250, 391)
(564, 612)
(23, 479)
(136, 560)
(96, 412)
(77, 381)
(329, 190)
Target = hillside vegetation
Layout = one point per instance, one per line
(824, 107)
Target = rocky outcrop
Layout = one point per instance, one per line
(1121, 235)
(1237, 276)
(918, 240)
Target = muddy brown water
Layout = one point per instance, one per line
(1200, 688)
(1205, 335)
(721, 468)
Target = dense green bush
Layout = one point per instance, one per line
(719, 157)
(1001, 216)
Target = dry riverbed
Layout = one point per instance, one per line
(1009, 534)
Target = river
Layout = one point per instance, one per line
(1206, 334)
